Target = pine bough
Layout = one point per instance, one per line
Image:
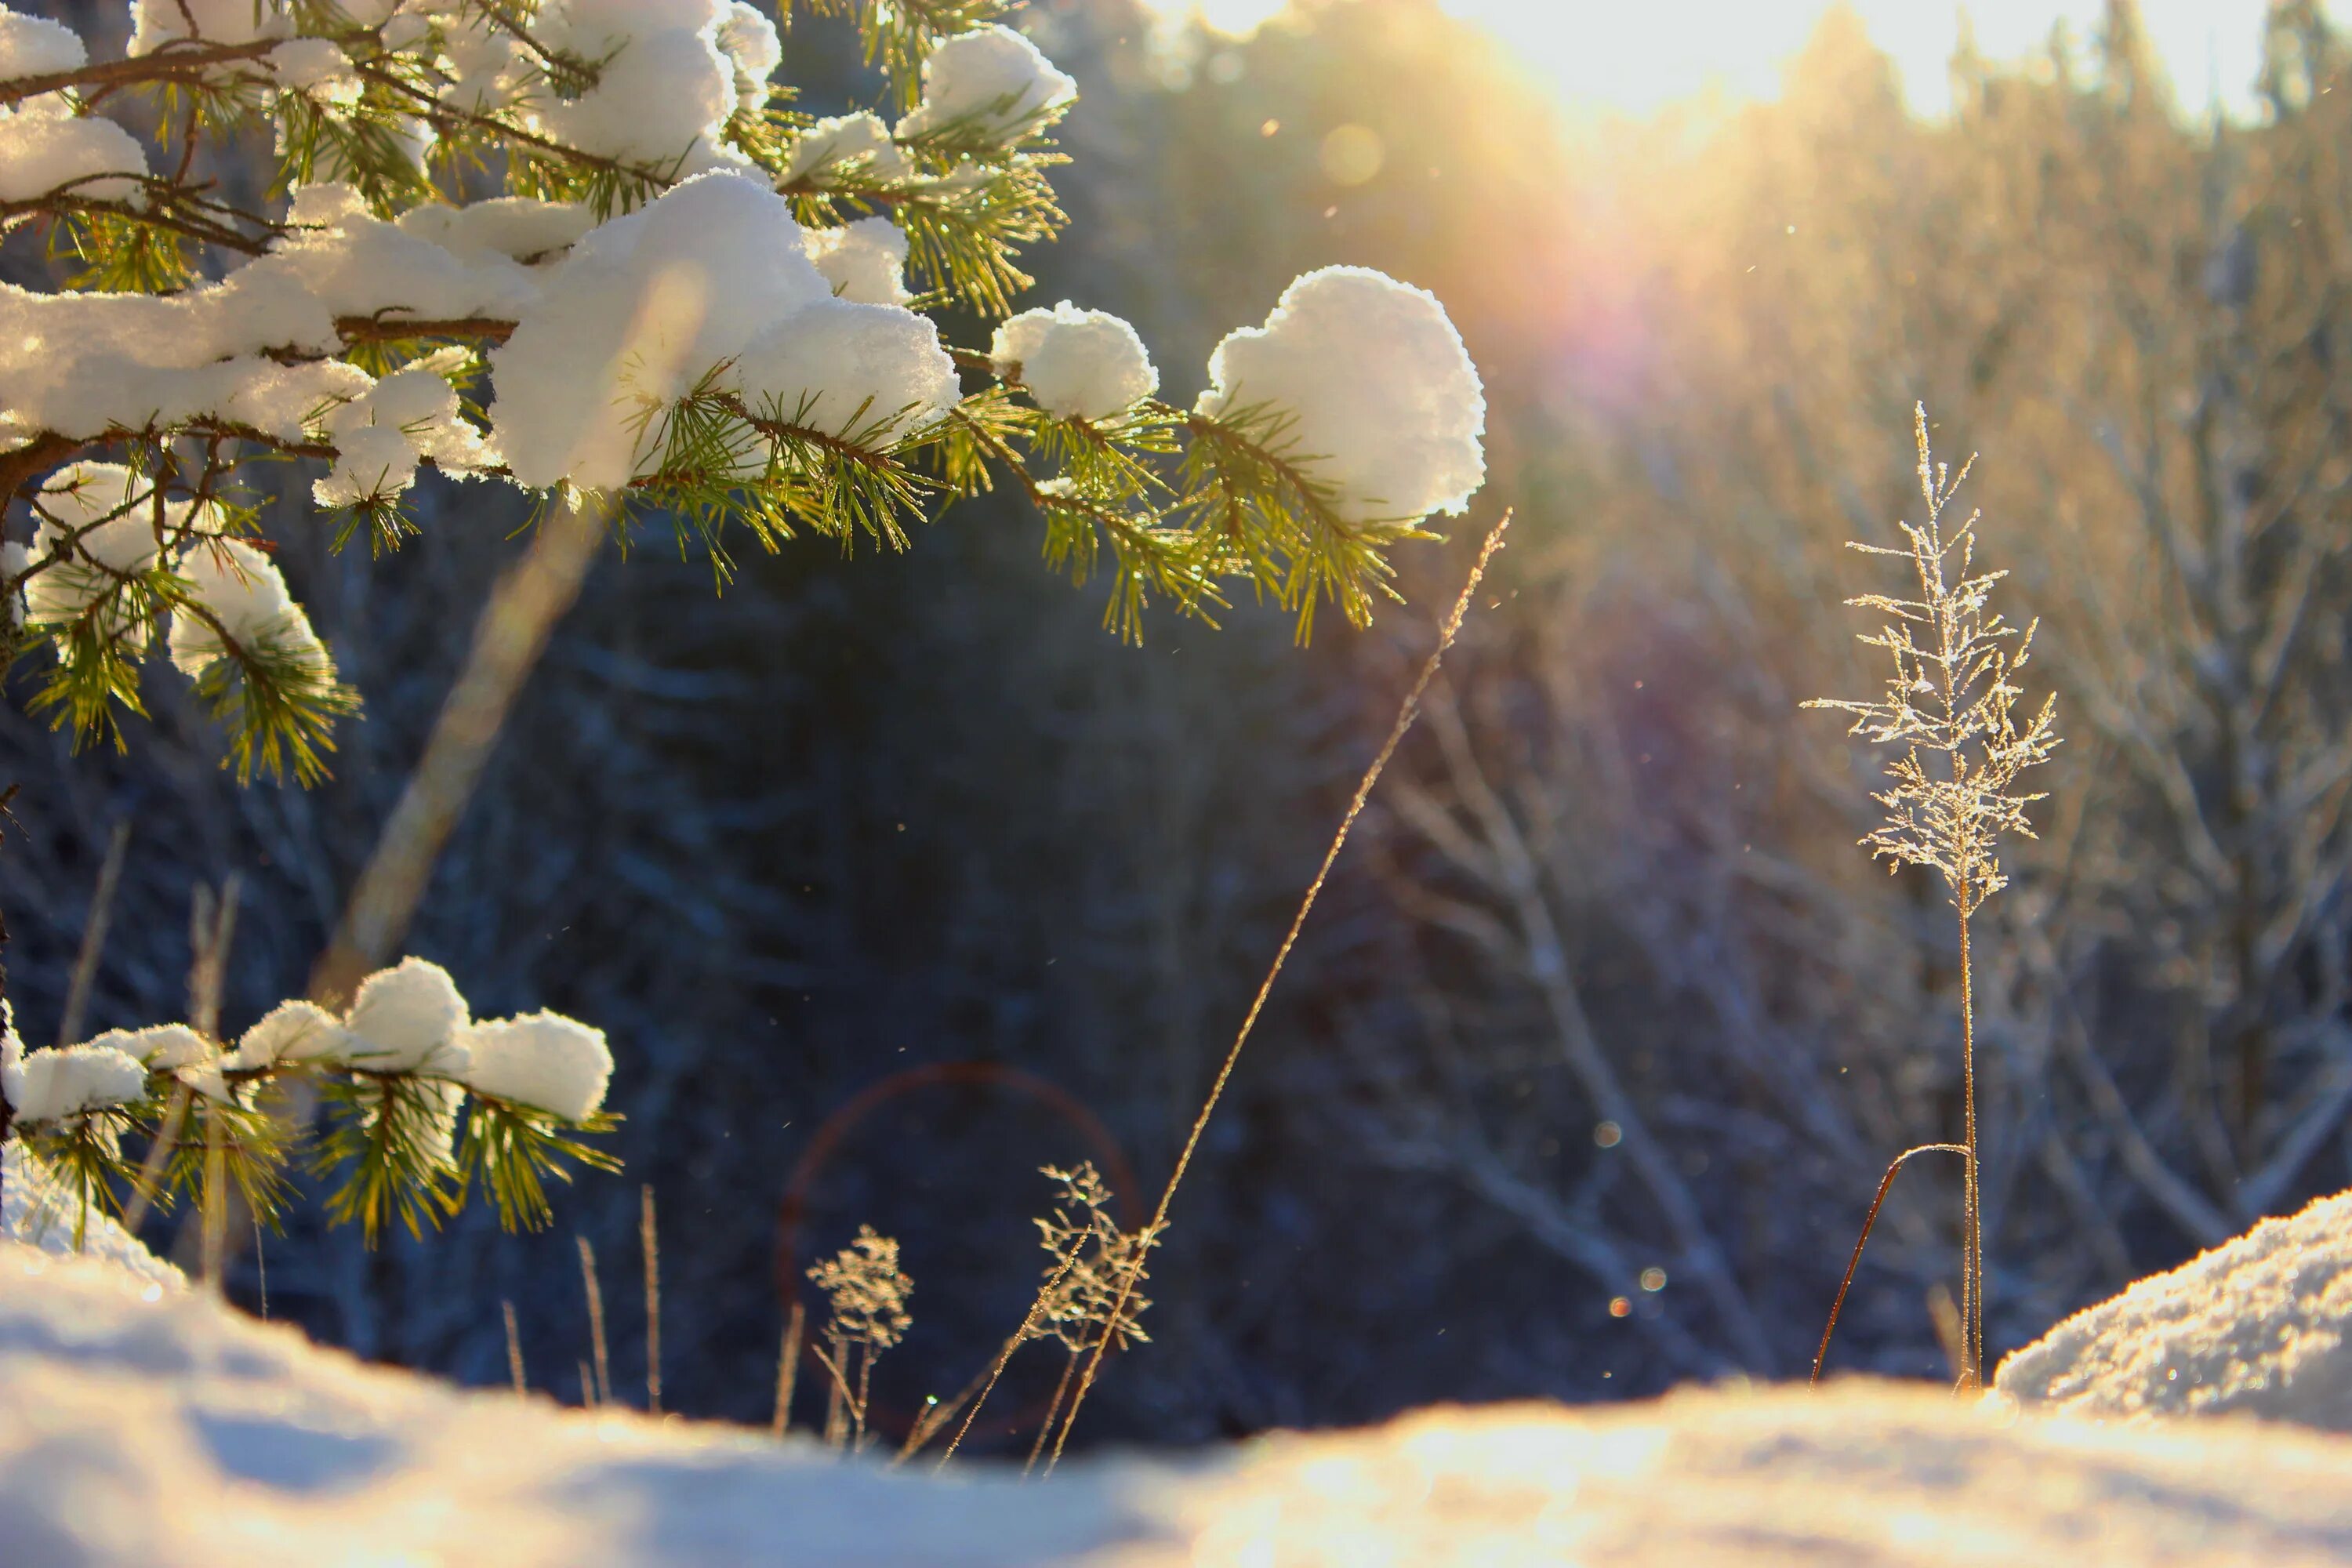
(588, 248)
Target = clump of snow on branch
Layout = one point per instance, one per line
(2261, 1325)
(45, 146)
(858, 142)
(1080, 364)
(382, 435)
(874, 373)
(155, 23)
(520, 229)
(98, 528)
(713, 276)
(1380, 397)
(35, 46)
(748, 40)
(665, 86)
(407, 1018)
(62, 1086)
(542, 1060)
(991, 81)
(243, 596)
(318, 68)
(864, 261)
(291, 1032)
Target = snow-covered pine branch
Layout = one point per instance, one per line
(687, 294)
(398, 1070)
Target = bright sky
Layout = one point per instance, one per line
(1637, 55)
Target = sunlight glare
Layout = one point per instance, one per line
(1605, 56)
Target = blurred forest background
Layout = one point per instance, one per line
(1596, 1050)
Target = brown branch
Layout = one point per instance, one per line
(380, 329)
(168, 64)
(1853, 1263)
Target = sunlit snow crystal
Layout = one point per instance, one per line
(864, 261)
(406, 1017)
(1380, 392)
(35, 46)
(1080, 364)
(647, 305)
(544, 1060)
(990, 79)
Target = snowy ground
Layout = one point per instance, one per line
(145, 1425)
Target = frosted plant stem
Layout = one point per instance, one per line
(1972, 1282)
(1407, 711)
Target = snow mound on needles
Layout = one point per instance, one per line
(155, 1428)
(2261, 1325)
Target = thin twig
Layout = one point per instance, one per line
(1854, 1262)
(1406, 712)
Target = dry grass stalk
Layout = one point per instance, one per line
(1406, 712)
(650, 1240)
(600, 1391)
(788, 1368)
(1088, 1253)
(1951, 704)
(93, 935)
(514, 1350)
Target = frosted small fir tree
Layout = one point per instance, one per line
(1949, 712)
(592, 249)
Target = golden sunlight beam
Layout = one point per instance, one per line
(1607, 56)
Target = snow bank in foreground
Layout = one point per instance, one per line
(168, 1432)
(35, 1209)
(2259, 1326)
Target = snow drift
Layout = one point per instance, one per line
(2261, 1325)
(148, 1425)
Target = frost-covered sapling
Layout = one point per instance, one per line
(1949, 711)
